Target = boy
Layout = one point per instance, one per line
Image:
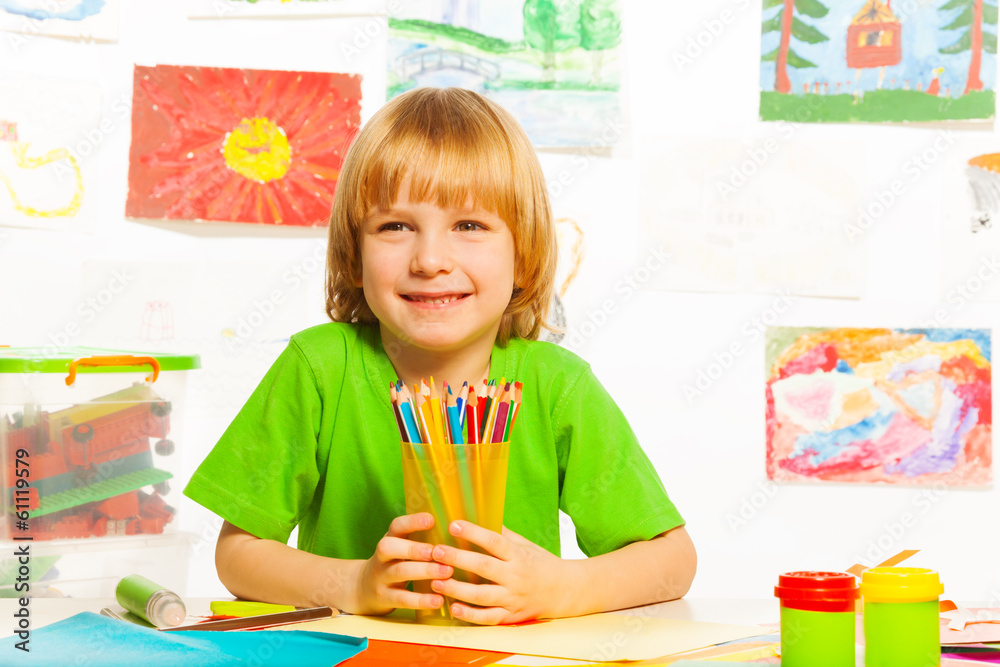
(441, 263)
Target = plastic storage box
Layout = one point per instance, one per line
(88, 445)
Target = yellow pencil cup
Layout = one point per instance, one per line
(454, 482)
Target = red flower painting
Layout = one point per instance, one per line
(238, 145)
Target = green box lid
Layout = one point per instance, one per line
(57, 360)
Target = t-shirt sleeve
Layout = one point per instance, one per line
(262, 474)
(609, 488)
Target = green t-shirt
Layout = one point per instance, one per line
(317, 446)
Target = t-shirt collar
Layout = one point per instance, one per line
(380, 371)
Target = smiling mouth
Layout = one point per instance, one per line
(435, 300)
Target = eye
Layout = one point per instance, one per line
(469, 226)
(392, 227)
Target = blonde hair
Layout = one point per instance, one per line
(455, 147)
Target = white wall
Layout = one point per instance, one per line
(710, 451)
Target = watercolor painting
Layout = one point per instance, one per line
(234, 145)
(553, 64)
(878, 61)
(763, 215)
(74, 19)
(235, 9)
(900, 406)
(47, 165)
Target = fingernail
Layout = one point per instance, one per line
(437, 585)
(455, 528)
(444, 570)
(439, 553)
(456, 610)
(426, 553)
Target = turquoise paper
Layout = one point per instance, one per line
(91, 639)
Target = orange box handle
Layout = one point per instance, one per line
(123, 360)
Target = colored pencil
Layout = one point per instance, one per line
(472, 412)
(261, 621)
(397, 413)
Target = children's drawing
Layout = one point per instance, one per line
(157, 321)
(766, 215)
(902, 406)
(234, 9)
(46, 161)
(239, 145)
(970, 233)
(569, 238)
(79, 19)
(984, 180)
(870, 61)
(552, 63)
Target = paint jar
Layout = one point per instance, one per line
(817, 618)
(902, 626)
(150, 601)
(452, 482)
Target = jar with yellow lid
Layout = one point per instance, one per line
(901, 617)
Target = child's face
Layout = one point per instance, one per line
(438, 279)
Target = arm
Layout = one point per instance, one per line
(640, 573)
(529, 582)
(269, 571)
(257, 569)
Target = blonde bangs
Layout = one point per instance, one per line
(467, 163)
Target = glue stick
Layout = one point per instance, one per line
(150, 601)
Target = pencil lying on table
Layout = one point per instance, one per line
(260, 621)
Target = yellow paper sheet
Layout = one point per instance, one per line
(599, 637)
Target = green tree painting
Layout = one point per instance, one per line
(551, 26)
(790, 26)
(972, 16)
(600, 30)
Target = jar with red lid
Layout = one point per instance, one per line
(817, 618)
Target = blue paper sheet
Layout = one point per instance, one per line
(91, 639)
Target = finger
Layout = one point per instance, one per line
(402, 526)
(483, 595)
(407, 570)
(487, 616)
(396, 548)
(485, 566)
(400, 598)
(513, 537)
(494, 543)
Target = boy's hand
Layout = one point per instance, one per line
(527, 580)
(396, 561)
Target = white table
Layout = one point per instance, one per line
(740, 612)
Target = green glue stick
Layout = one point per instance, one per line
(150, 601)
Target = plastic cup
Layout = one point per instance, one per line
(454, 482)
(817, 618)
(902, 627)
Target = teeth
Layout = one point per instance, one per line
(426, 300)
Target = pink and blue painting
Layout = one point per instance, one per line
(878, 60)
(898, 406)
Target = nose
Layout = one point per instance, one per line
(431, 254)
